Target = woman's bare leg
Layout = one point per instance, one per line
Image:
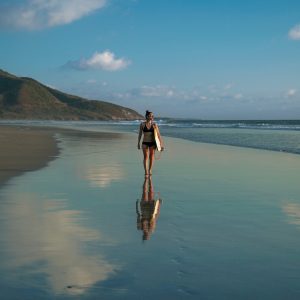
(151, 159)
(146, 157)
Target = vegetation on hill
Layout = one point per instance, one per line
(26, 98)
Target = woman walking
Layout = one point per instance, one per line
(148, 129)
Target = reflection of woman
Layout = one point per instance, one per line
(147, 209)
(147, 129)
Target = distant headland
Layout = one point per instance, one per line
(27, 99)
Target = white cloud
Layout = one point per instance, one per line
(170, 93)
(291, 93)
(96, 82)
(212, 88)
(91, 81)
(165, 92)
(39, 14)
(156, 91)
(228, 86)
(100, 61)
(238, 96)
(294, 33)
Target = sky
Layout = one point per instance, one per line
(204, 59)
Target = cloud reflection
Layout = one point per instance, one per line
(45, 238)
(293, 212)
(102, 176)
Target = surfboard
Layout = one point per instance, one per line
(157, 141)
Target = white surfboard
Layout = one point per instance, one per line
(157, 141)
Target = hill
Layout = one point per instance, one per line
(26, 98)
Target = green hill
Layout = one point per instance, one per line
(26, 98)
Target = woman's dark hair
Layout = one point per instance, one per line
(148, 113)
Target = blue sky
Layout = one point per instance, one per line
(209, 59)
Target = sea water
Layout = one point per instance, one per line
(275, 135)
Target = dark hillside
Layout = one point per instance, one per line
(26, 98)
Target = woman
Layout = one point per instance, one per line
(147, 129)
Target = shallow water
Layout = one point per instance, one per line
(228, 225)
(275, 135)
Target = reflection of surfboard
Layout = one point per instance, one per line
(157, 141)
(157, 203)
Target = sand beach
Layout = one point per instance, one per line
(227, 226)
(25, 149)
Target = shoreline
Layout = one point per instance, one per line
(29, 148)
(282, 141)
(24, 149)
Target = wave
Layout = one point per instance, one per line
(283, 136)
(177, 123)
(271, 125)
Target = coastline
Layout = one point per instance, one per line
(279, 137)
(29, 148)
(25, 149)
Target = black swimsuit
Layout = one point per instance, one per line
(151, 129)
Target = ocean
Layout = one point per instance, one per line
(275, 135)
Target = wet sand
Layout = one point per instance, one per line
(228, 226)
(25, 149)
